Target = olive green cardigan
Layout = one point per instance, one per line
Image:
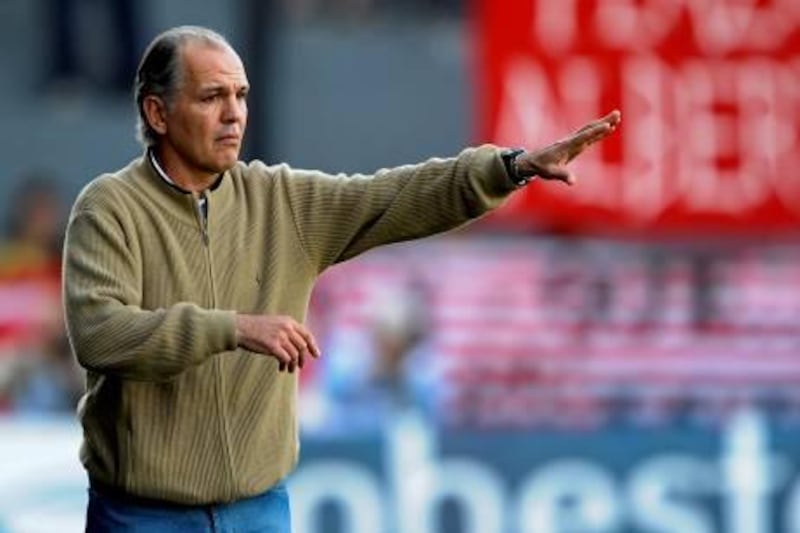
(173, 410)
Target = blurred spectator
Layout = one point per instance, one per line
(704, 283)
(33, 228)
(69, 43)
(402, 365)
(366, 378)
(31, 326)
(46, 379)
(512, 357)
(578, 286)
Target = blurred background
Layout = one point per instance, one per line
(623, 356)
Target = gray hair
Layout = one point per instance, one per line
(161, 70)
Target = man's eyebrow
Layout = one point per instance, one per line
(212, 88)
(218, 87)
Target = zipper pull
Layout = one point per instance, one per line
(203, 217)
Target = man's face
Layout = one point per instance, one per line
(206, 120)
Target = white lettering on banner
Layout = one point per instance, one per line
(633, 25)
(663, 494)
(650, 140)
(792, 517)
(658, 491)
(421, 482)
(478, 491)
(712, 135)
(750, 475)
(721, 26)
(717, 137)
(569, 495)
(717, 26)
(527, 111)
(355, 491)
(787, 134)
(707, 88)
(42, 483)
(729, 156)
(555, 24)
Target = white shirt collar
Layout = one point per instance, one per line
(151, 154)
(160, 171)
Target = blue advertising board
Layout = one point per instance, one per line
(741, 477)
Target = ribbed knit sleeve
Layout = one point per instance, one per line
(109, 332)
(341, 216)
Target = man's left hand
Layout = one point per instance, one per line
(550, 162)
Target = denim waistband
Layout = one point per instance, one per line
(115, 493)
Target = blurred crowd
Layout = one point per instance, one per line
(476, 331)
(494, 332)
(37, 371)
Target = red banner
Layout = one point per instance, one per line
(710, 96)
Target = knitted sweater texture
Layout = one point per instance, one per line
(173, 410)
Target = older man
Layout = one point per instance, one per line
(187, 277)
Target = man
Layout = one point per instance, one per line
(187, 276)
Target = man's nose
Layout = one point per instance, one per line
(235, 109)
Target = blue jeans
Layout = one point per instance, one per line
(265, 513)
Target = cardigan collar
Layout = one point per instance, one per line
(151, 157)
(176, 200)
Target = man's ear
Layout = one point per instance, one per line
(155, 111)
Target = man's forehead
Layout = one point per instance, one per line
(211, 64)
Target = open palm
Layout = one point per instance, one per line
(550, 162)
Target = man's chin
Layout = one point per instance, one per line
(227, 161)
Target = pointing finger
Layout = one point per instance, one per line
(578, 142)
(591, 134)
(612, 119)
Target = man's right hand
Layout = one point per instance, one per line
(281, 337)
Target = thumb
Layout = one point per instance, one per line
(560, 173)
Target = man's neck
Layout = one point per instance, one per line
(183, 177)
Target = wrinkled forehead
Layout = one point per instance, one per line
(211, 63)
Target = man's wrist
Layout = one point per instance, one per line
(240, 321)
(517, 175)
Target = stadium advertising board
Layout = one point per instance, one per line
(742, 479)
(710, 94)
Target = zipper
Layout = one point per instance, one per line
(203, 216)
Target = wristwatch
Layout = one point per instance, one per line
(509, 157)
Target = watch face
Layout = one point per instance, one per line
(509, 161)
